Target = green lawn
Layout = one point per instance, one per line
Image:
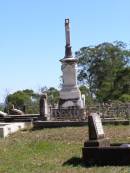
(54, 150)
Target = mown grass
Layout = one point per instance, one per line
(55, 150)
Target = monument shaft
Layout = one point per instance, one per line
(67, 31)
(70, 95)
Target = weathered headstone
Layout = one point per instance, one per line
(95, 127)
(96, 132)
(43, 107)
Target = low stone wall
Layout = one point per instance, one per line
(111, 111)
(118, 111)
(67, 114)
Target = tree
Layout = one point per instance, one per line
(52, 93)
(27, 98)
(19, 98)
(121, 88)
(84, 90)
(99, 66)
(53, 96)
(1, 107)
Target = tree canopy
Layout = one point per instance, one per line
(23, 98)
(101, 67)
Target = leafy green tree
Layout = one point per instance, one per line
(84, 90)
(121, 88)
(1, 107)
(26, 98)
(53, 96)
(52, 93)
(99, 67)
(19, 98)
(124, 98)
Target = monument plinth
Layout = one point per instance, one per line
(70, 95)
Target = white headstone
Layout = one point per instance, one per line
(98, 124)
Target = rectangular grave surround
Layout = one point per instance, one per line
(9, 128)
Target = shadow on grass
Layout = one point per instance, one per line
(74, 161)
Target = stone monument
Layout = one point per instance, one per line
(43, 107)
(70, 95)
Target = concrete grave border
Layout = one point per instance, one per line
(8, 128)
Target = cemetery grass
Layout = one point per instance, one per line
(55, 150)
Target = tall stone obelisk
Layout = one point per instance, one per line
(70, 95)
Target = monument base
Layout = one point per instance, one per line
(115, 154)
(70, 103)
(97, 143)
(42, 118)
(70, 96)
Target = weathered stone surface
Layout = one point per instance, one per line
(43, 106)
(97, 143)
(95, 127)
(70, 95)
(9, 128)
(3, 113)
(16, 112)
(96, 132)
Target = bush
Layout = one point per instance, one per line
(125, 98)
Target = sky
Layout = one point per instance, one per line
(32, 37)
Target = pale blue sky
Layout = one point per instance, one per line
(32, 37)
